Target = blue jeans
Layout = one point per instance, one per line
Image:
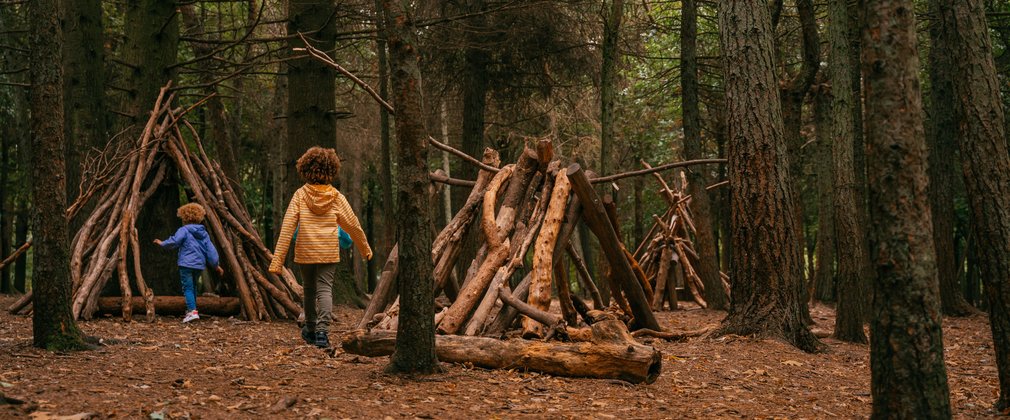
(189, 277)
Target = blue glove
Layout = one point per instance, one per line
(345, 239)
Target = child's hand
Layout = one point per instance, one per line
(157, 242)
(220, 271)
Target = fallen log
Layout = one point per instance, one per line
(175, 305)
(611, 354)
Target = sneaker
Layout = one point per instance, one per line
(308, 335)
(322, 340)
(191, 316)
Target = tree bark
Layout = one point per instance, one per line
(852, 251)
(385, 149)
(824, 274)
(908, 377)
(765, 283)
(941, 137)
(152, 44)
(613, 14)
(6, 216)
(986, 164)
(84, 90)
(53, 327)
(415, 338)
(705, 241)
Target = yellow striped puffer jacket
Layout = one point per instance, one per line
(317, 211)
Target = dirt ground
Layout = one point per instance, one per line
(226, 368)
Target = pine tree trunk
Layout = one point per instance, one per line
(942, 136)
(152, 44)
(53, 327)
(6, 217)
(84, 90)
(852, 252)
(386, 151)
(415, 335)
(310, 100)
(701, 208)
(859, 143)
(613, 14)
(20, 236)
(765, 283)
(986, 166)
(824, 273)
(908, 377)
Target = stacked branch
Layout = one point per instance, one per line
(667, 253)
(106, 244)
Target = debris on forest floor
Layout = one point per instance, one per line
(230, 368)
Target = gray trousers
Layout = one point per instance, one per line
(318, 299)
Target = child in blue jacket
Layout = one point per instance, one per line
(196, 252)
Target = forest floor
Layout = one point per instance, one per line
(226, 368)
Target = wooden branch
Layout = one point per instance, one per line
(598, 222)
(17, 253)
(462, 155)
(543, 254)
(322, 56)
(664, 167)
(439, 176)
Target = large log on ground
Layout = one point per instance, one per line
(599, 223)
(175, 305)
(611, 354)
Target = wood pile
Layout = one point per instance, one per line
(667, 253)
(106, 244)
(531, 206)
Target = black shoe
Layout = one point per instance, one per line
(308, 335)
(322, 340)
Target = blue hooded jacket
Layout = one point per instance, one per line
(195, 249)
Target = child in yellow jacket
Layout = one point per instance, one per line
(317, 211)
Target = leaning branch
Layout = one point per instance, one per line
(322, 56)
(16, 254)
(659, 168)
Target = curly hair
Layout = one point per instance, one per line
(191, 213)
(318, 165)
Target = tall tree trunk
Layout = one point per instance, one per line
(908, 377)
(941, 138)
(793, 93)
(765, 282)
(852, 251)
(6, 216)
(84, 90)
(701, 208)
(311, 102)
(219, 136)
(415, 334)
(613, 14)
(859, 143)
(386, 151)
(152, 44)
(824, 274)
(20, 236)
(53, 327)
(986, 165)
